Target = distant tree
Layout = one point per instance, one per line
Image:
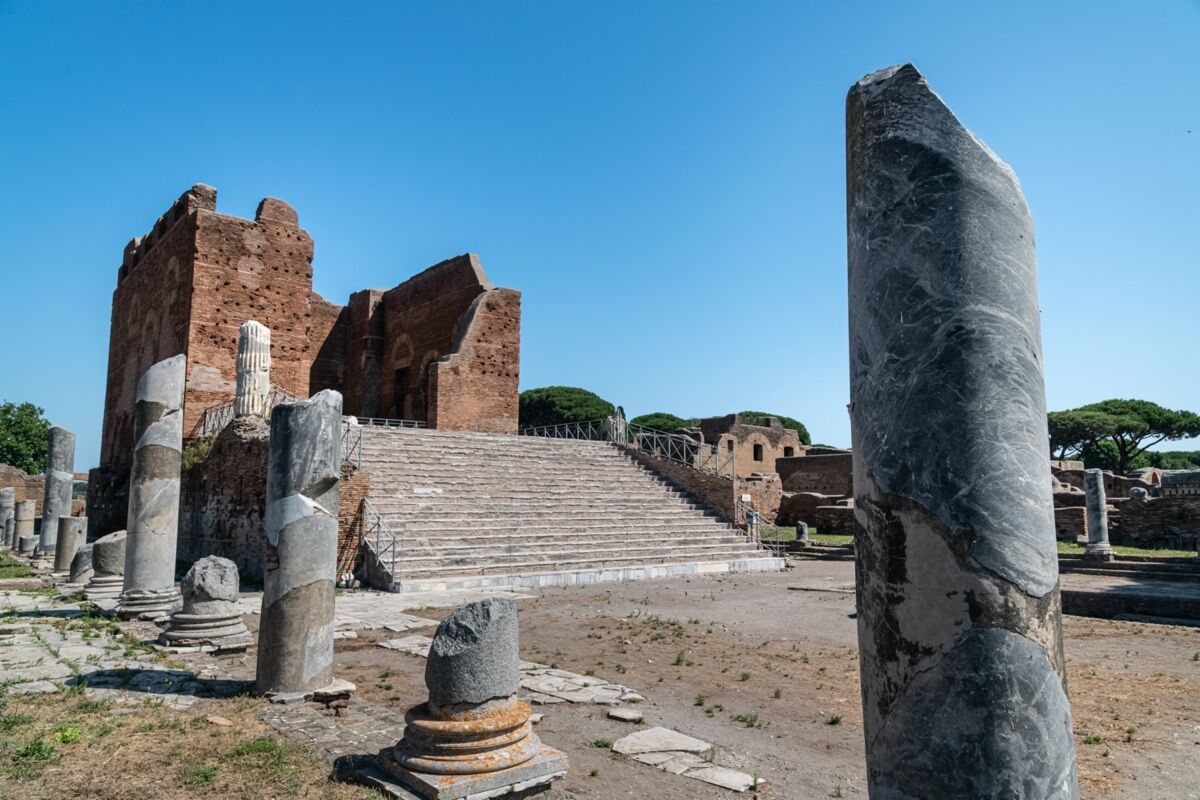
(787, 422)
(662, 421)
(1174, 459)
(24, 437)
(552, 405)
(1130, 426)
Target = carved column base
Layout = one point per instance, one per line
(1101, 553)
(149, 604)
(104, 587)
(223, 632)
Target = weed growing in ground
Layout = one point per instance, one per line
(196, 775)
(835, 719)
(601, 743)
(745, 676)
(749, 720)
(1093, 739)
(778, 693)
(699, 701)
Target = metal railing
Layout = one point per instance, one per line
(596, 430)
(675, 447)
(215, 418)
(380, 537)
(384, 422)
(351, 444)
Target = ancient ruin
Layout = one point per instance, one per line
(253, 370)
(60, 477)
(8, 509)
(1098, 548)
(473, 737)
(23, 516)
(210, 618)
(72, 531)
(295, 640)
(959, 619)
(81, 568)
(442, 348)
(108, 568)
(150, 590)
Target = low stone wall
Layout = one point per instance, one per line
(1114, 485)
(834, 519)
(1172, 522)
(1070, 522)
(717, 492)
(802, 507)
(824, 474)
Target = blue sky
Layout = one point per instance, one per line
(663, 181)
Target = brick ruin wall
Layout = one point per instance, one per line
(475, 387)
(829, 474)
(716, 492)
(729, 434)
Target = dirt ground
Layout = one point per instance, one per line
(706, 652)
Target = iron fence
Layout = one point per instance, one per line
(216, 417)
(384, 422)
(596, 430)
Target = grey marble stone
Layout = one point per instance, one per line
(9, 525)
(60, 479)
(23, 516)
(295, 639)
(108, 567)
(957, 573)
(8, 507)
(150, 590)
(474, 655)
(210, 616)
(253, 370)
(1098, 548)
(72, 531)
(81, 565)
(1139, 494)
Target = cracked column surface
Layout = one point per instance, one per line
(253, 370)
(959, 618)
(153, 531)
(8, 507)
(295, 636)
(60, 479)
(72, 532)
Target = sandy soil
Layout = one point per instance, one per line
(707, 651)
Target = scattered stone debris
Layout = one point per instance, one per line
(680, 754)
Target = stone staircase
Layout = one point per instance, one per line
(466, 510)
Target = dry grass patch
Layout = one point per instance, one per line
(65, 745)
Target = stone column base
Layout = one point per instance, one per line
(219, 631)
(104, 587)
(149, 604)
(1098, 554)
(546, 765)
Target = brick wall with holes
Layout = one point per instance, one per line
(356, 485)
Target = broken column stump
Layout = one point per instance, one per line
(23, 514)
(473, 737)
(959, 617)
(210, 619)
(72, 531)
(295, 634)
(108, 568)
(8, 507)
(253, 370)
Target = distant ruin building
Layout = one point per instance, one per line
(442, 348)
(755, 441)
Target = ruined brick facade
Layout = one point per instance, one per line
(442, 347)
(756, 443)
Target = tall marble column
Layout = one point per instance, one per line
(153, 531)
(23, 515)
(1098, 548)
(8, 508)
(253, 370)
(295, 635)
(959, 618)
(60, 479)
(72, 531)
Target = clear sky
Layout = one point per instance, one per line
(663, 181)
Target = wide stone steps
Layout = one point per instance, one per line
(469, 509)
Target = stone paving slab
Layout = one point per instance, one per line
(680, 754)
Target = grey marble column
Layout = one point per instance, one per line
(60, 479)
(153, 531)
(23, 515)
(253, 370)
(8, 508)
(295, 635)
(959, 618)
(72, 532)
(1098, 548)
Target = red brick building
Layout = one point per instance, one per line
(442, 347)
